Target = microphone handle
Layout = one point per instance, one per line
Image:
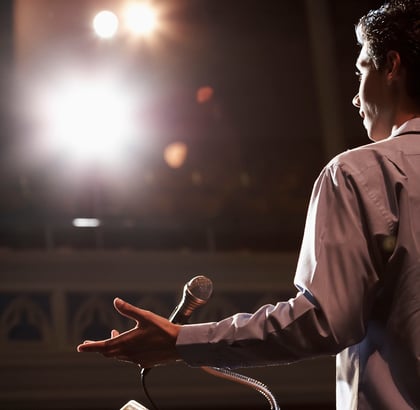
(178, 317)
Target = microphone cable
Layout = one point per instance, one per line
(196, 293)
(143, 373)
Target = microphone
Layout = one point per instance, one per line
(195, 294)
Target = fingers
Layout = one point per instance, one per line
(117, 347)
(120, 345)
(128, 310)
(103, 349)
(90, 346)
(101, 346)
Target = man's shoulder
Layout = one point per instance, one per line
(361, 157)
(376, 153)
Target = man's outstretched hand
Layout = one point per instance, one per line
(151, 342)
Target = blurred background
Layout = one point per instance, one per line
(145, 142)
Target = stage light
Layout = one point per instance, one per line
(105, 24)
(89, 119)
(140, 19)
(86, 223)
(175, 154)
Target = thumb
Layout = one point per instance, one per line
(127, 309)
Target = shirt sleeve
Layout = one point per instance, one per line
(335, 276)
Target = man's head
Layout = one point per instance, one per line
(390, 40)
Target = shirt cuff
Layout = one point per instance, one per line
(193, 344)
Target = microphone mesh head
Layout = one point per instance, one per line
(200, 287)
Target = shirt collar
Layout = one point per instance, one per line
(409, 126)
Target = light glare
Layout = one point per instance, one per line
(140, 19)
(105, 24)
(90, 119)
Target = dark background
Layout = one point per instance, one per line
(257, 145)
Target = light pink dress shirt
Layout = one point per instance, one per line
(358, 277)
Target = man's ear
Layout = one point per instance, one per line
(393, 65)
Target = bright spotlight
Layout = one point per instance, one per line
(90, 119)
(105, 24)
(140, 19)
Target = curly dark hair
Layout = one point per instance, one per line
(394, 26)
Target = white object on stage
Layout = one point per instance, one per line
(133, 405)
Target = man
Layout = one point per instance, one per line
(358, 272)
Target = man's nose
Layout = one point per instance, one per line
(356, 101)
